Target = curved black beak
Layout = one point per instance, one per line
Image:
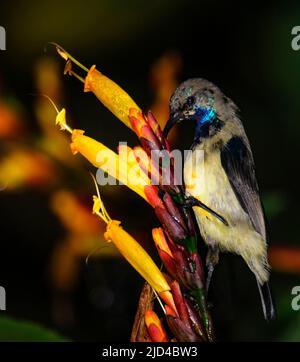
(174, 119)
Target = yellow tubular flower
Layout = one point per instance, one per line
(124, 169)
(132, 251)
(110, 94)
(136, 256)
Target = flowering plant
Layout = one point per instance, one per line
(180, 288)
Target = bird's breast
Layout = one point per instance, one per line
(206, 180)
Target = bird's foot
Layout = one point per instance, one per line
(212, 259)
(210, 270)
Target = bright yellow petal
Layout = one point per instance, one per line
(103, 157)
(136, 256)
(110, 94)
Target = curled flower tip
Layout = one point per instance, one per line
(98, 206)
(61, 115)
(61, 121)
(67, 56)
(98, 209)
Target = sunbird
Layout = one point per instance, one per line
(229, 186)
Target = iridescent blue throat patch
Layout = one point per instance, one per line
(207, 122)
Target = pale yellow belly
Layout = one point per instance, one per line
(210, 185)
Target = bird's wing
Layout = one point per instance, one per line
(237, 161)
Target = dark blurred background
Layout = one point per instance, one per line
(245, 49)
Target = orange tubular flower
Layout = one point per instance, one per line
(11, 125)
(110, 94)
(285, 258)
(155, 328)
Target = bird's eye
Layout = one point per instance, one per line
(190, 101)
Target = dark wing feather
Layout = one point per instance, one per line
(237, 161)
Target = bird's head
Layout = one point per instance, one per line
(199, 100)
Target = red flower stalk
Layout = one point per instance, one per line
(183, 263)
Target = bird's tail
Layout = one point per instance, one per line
(266, 301)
